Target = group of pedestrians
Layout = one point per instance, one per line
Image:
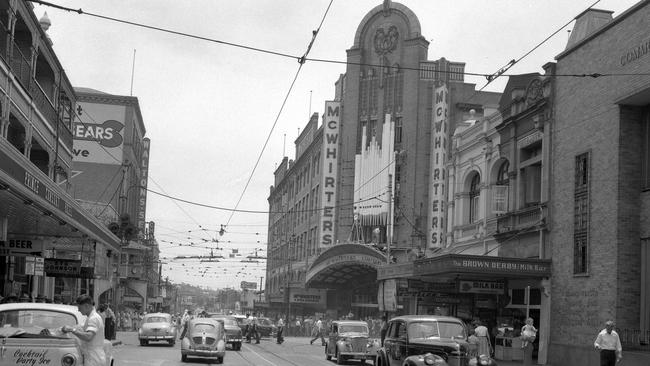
(128, 320)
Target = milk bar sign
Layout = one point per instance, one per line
(481, 287)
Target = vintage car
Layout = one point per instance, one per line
(204, 338)
(424, 340)
(157, 327)
(31, 335)
(233, 331)
(349, 339)
(266, 327)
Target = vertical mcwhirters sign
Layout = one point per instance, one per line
(439, 126)
(142, 189)
(330, 171)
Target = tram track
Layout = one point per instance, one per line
(260, 352)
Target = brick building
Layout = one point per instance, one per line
(600, 182)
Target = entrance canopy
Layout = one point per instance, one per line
(456, 264)
(343, 265)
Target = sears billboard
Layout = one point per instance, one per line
(99, 134)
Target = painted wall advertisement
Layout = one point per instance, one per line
(99, 136)
(308, 296)
(330, 171)
(437, 192)
(142, 189)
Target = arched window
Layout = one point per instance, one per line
(500, 190)
(474, 196)
(502, 175)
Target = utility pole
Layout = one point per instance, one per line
(389, 223)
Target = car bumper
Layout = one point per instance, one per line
(157, 337)
(202, 353)
(234, 340)
(358, 355)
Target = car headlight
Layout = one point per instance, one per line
(68, 360)
(431, 359)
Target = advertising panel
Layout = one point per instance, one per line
(142, 190)
(308, 296)
(438, 175)
(330, 172)
(482, 287)
(21, 247)
(248, 285)
(99, 136)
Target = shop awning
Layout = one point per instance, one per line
(449, 264)
(344, 265)
(35, 205)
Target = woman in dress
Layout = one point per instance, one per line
(484, 346)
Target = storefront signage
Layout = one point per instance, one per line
(437, 298)
(437, 180)
(636, 52)
(142, 189)
(395, 270)
(330, 172)
(54, 199)
(21, 247)
(458, 263)
(482, 287)
(308, 297)
(530, 139)
(70, 268)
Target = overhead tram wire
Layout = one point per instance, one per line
(301, 62)
(305, 59)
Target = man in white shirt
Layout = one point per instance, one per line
(609, 345)
(92, 333)
(319, 332)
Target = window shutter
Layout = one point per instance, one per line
(500, 199)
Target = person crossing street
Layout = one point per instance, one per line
(319, 332)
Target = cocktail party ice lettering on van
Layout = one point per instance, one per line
(31, 358)
(330, 171)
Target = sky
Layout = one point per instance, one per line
(209, 108)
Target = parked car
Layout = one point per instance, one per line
(233, 331)
(31, 334)
(350, 340)
(241, 322)
(424, 340)
(266, 327)
(157, 327)
(204, 338)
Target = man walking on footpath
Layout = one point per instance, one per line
(609, 345)
(319, 332)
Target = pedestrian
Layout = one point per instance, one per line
(184, 323)
(528, 333)
(255, 329)
(609, 345)
(110, 322)
(384, 329)
(484, 345)
(91, 334)
(280, 325)
(319, 332)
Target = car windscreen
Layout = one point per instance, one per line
(436, 329)
(33, 321)
(227, 321)
(353, 328)
(265, 322)
(156, 319)
(204, 327)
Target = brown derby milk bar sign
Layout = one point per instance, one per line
(457, 263)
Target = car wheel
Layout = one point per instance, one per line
(172, 343)
(328, 357)
(184, 358)
(143, 342)
(219, 359)
(236, 346)
(339, 358)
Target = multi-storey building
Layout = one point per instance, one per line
(50, 244)
(111, 158)
(600, 188)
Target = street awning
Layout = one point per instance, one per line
(344, 265)
(35, 205)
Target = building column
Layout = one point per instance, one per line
(544, 322)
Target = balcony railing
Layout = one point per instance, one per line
(20, 66)
(635, 339)
(521, 219)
